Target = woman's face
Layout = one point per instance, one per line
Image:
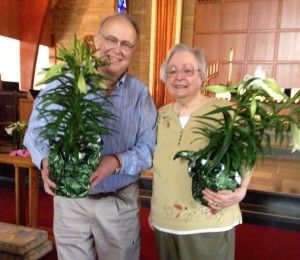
(183, 80)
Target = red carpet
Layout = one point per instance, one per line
(252, 241)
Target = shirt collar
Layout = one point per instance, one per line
(122, 80)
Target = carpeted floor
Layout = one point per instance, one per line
(252, 241)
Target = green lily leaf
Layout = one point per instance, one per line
(220, 89)
(275, 87)
(296, 137)
(51, 74)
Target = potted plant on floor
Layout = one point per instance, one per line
(240, 134)
(75, 128)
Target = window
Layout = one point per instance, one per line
(10, 60)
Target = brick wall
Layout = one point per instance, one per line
(141, 11)
(78, 17)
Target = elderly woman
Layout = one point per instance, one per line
(184, 228)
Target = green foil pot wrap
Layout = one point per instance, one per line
(215, 179)
(71, 173)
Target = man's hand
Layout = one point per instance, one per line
(107, 166)
(46, 177)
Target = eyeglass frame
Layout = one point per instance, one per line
(182, 71)
(114, 41)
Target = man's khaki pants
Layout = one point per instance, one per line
(108, 226)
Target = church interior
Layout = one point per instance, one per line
(238, 37)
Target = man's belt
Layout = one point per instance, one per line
(100, 195)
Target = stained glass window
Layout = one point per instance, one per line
(122, 6)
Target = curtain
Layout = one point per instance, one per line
(165, 32)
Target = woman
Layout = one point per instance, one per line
(184, 228)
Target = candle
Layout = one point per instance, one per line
(230, 72)
(231, 55)
(230, 65)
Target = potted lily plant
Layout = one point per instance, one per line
(241, 134)
(75, 127)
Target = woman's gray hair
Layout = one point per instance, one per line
(198, 54)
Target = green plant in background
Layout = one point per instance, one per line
(240, 134)
(75, 128)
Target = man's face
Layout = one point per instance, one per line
(116, 43)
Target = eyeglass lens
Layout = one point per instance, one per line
(113, 41)
(187, 70)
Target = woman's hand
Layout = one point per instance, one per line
(225, 198)
(150, 217)
(150, 221)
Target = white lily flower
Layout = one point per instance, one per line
(18, 126)
(296, 137)
(259, 82)
(11, 128)
(260, 73)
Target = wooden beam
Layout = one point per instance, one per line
(33, 14)
(10, 19)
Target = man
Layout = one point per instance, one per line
(107, 221)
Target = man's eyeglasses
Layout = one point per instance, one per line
(113, 42)
(187, 71)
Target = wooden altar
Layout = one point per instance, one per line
(21, 164)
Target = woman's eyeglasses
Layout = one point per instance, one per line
(187, 71)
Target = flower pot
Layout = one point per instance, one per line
(215, 179)
(71, 173)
